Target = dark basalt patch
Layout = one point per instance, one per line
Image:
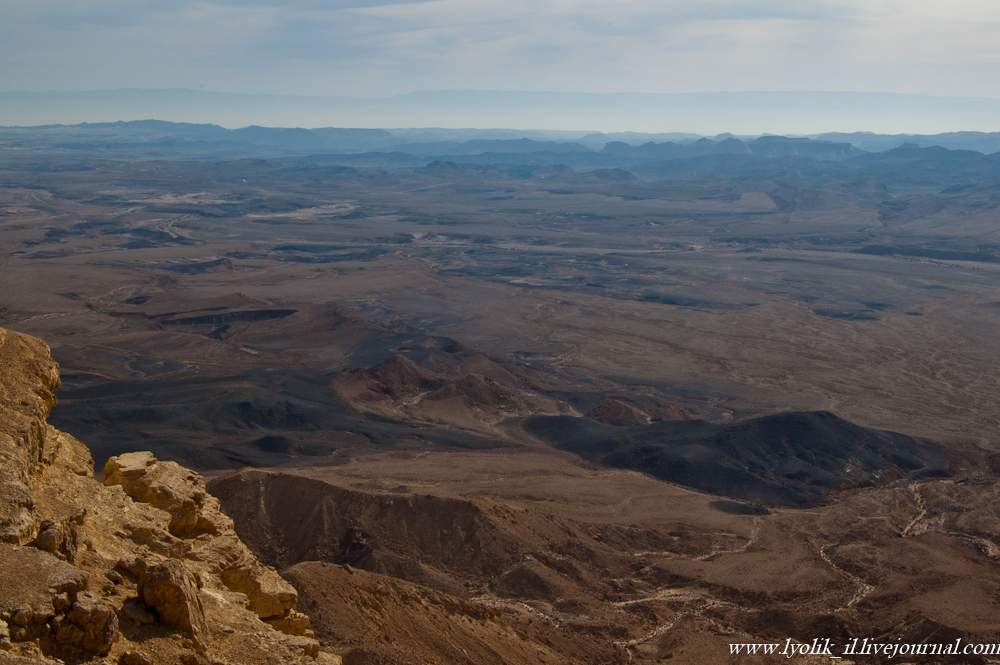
(846, 314)
(229, 317)
(792, 459)
(739, 507)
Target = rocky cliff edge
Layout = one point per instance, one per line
(140, 569)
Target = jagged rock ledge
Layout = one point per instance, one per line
(141, 569)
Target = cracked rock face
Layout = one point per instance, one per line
(91, 624)
(171, 591)
(26, 395)
(59, 537)
(37, 586)
(144, 568)
(170, 487)
(195, 513)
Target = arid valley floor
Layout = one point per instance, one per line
(517, 403)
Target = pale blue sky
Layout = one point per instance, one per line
(368, 47)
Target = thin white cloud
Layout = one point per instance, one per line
(387, 47)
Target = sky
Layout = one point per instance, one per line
(371, 48)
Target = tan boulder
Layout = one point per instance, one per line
(270, 596)
(293, 623)
(169, 487)
(91, 624)
(325, 658)
(36, 586)
(60, 536)
(171, 591)
(134, 658)
(306, 646)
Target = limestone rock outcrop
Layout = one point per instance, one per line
(142, 568)
(91, 624)
(25, 399)
(171, 590)
(167, 486)
(195, 513)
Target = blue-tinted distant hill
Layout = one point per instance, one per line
(726, 155)
(742, 113)
(985, 142)
(485, 146)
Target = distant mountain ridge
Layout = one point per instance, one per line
(584, 149)
(703, 113)
(985, 142)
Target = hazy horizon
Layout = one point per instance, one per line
(705, 113)
(382, 59)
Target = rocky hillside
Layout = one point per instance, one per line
(141, 569)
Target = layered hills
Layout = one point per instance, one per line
(515, 402)
(202, 140)
(502, 557)
(462, 389)
(519, 554)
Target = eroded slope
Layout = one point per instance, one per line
(522, 556)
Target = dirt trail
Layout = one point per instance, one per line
(918, 498)
(985, 545)
(653, 634)
(863, 588)
(708, 556)
(696, 611)
(665, 594)
(516, 606)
